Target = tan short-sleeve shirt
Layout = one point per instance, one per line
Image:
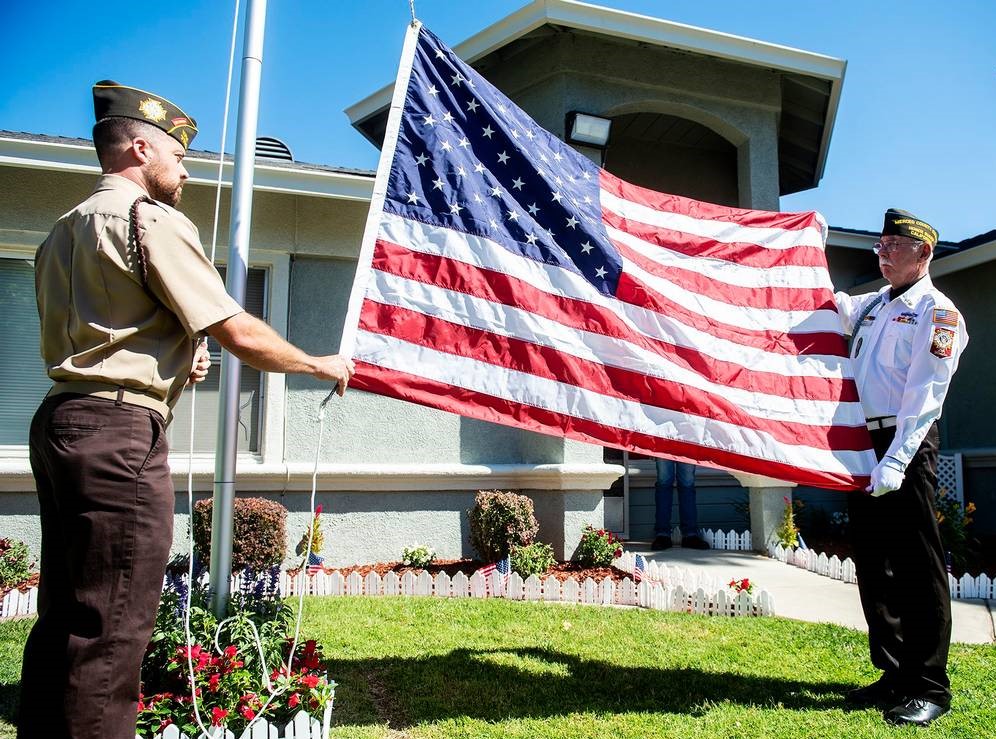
(99, 322)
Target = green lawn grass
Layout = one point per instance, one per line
(430, 668)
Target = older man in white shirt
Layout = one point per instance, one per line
(905, 343)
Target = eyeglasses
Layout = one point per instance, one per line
(880, 247)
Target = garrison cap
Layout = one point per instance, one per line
(111, 99)
(903, 223)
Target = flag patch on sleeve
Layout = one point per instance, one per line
(945, 316)
(942, 342)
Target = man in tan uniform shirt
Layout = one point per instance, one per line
(125, 295)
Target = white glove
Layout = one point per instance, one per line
(887, 476)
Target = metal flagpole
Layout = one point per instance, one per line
(238, 260)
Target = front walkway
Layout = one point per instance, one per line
(806, 596)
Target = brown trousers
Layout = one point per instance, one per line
(106, 502)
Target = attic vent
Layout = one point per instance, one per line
(268, 147)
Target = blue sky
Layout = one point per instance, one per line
(916, 127)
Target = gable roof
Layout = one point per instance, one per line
(811, 83)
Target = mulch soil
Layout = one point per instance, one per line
(562, 570)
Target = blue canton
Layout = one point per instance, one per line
(469, 159)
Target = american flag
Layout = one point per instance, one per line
(639, 568)
(505, 277)
(314, 563)
(502, 567)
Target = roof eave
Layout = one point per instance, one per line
(76, 157)
(641, 28)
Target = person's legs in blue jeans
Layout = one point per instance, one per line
(687, 506)
(664, 497)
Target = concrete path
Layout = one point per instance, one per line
(806, 596)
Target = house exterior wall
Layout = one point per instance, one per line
(319, 240)
(558, 74)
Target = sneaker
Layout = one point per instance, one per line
(694, 542)
(661, 542)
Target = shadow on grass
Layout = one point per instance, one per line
(494, 685)
(10, 696)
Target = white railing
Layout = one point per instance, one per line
(962, 588)
(16, 603)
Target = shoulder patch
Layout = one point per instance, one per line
(945, 316)
(942, 342)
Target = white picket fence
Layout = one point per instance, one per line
(302, 727)
(961, 588)
(731, 540)
(663, 588)
(17, 604)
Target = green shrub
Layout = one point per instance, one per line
(500, 520)
(15, 562)
(420, 555)
(953, 522)
(533, 559)
(260, 533)
(787, 533)
(597, 548)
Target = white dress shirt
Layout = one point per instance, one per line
(905, 353)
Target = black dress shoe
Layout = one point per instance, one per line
(882, 692)
(694, 542)
(661, 542)
(916, 711)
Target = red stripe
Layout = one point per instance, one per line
(498, 410)
(706, 211)
(541, 361)
(579, 315)
(751, 255)
(777, 298)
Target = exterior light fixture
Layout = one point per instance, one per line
(588, 130)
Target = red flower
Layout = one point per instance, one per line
(247, 713)
(318, 510)
(218, 715)
(231, 651)
(293, 700)
(213, 682)
(310, 681)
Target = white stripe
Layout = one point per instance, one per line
(782, 321)
(520, 387)
(517, 323)
(721, 270)
(724, 232)
(487, 254)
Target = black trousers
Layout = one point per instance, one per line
(902, 577)
(106, 502)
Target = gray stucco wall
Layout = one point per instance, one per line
(551, 76)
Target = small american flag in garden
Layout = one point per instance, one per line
(505, 277)
(315, 563)
(639, 568)
(502, 567)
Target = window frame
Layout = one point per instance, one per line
(276, 302)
